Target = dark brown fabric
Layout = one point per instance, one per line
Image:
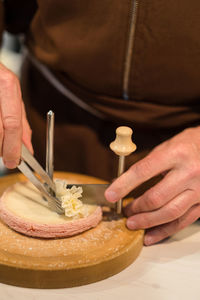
(85, 44)
(166, 61)
(18, 14)
(81, 140)
(1, 19)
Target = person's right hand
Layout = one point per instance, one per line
(14, 127)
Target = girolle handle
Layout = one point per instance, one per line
(122, 146)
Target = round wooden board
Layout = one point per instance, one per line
(57, 263)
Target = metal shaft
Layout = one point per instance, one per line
(50, 144)
(120, 171)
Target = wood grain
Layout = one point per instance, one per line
(88, 257)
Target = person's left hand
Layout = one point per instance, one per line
(174, 202)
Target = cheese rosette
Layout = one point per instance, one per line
(70, 199)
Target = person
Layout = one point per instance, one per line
(101, 64)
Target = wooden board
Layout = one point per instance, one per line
(54, 263)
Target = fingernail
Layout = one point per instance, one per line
(111, 196)
(131, 224)
(11, 164)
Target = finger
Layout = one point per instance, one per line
(161, 232)
(1, 135)
(27, 132)
(168, 188)
(171, 211)
(11, 112)
(152, 165)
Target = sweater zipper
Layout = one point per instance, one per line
(129, 51)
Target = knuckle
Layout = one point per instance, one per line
(12, 123)
(191, 216)
(143, 167)
(188, 132)
(181, 150)
(194, 170)
(153, 198)
(174, 211)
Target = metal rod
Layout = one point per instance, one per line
(121, 166)
(50, 144)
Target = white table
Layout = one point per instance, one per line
(166, 271)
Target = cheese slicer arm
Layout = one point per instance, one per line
(29, 164)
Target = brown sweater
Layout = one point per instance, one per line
(111, 50)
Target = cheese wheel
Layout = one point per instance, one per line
(23, 209)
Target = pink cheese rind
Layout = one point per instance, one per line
(67, 229)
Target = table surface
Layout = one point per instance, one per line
(169, 270)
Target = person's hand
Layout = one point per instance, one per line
(14, 127)
(174, 202)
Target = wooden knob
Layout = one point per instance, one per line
(123, 145)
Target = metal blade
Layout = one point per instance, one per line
(53, 202)
(94, 194)
(33, 163)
